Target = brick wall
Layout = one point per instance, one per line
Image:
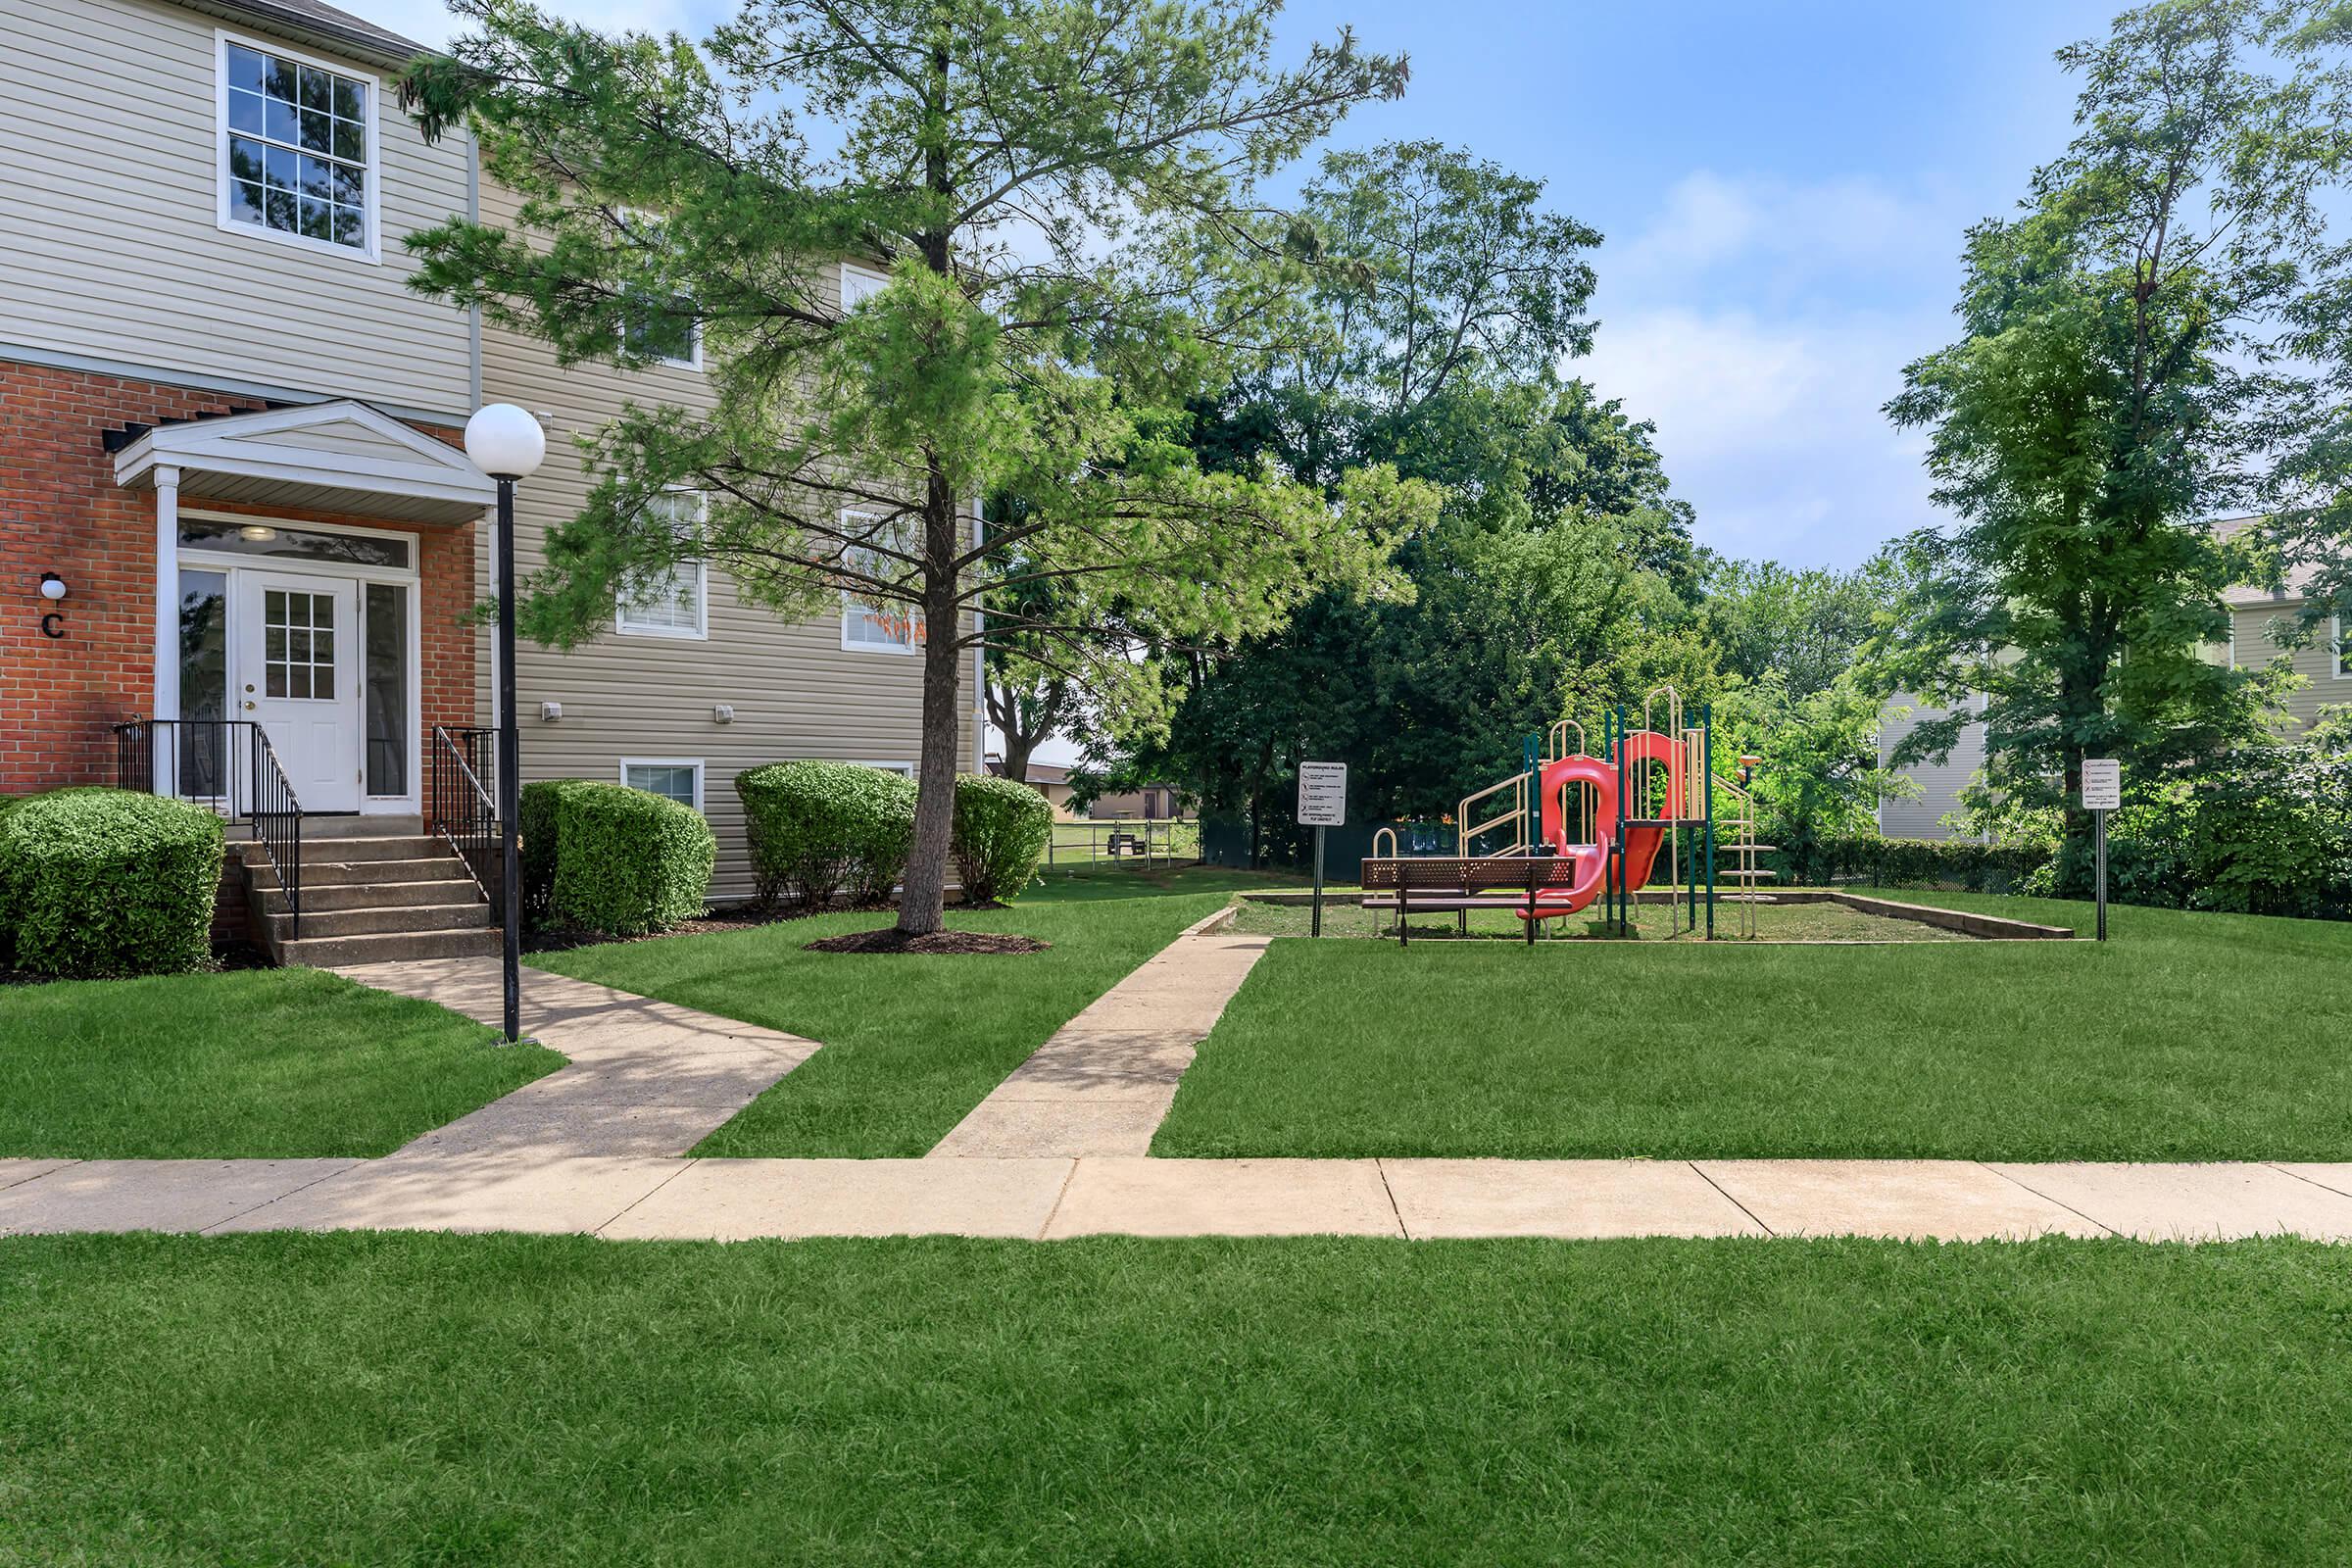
(61, 512)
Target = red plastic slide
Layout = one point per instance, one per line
(1642, 843)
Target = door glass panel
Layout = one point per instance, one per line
(386, 626)
(298, 644)
(203, 682)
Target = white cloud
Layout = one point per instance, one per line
(1763, 325)
(1772, 428)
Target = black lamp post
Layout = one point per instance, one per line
(506, 443)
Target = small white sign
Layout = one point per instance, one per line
(1322, 793)
(2102, 784)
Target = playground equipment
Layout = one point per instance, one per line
(1600, 823)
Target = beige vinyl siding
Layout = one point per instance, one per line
(1921, 815)
(2255, 645)
(794, 690)
(110, 247)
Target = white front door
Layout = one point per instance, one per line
(298, 674)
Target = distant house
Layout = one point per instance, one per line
(1153, 803)
(1053, 783)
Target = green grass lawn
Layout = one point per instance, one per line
(2187, 1037)
(438, 1399)
(910, 1042)
(276, 1063)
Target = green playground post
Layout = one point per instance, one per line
(1706, 745)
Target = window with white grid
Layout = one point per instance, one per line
(297, 149)
(870, 624)
(669, 601)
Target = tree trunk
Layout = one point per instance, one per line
(1015, 758)
(923, 903)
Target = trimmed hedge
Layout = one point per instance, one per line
(1000, 833)
(1910, 862)
(102, 882)
(608, 858)
(817, 828)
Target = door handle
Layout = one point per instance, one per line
(248, 701)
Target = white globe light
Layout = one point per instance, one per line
(505, 442)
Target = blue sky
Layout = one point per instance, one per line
(1783, 188)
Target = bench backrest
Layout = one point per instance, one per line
(1469, 873)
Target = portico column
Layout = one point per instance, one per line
(167, 593)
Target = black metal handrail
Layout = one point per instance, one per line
(278, 824)
(464, 805)
(229, 765)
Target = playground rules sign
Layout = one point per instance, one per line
(1322, 793)
(2102, 784)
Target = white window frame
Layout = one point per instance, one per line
(849, 602)
(372, 252)
(693, 361)
(903, 769)
(2339, 661)
(694, 763)
(700, 631)
(694, 357)
(865, 274)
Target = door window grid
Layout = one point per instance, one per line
(298, 645)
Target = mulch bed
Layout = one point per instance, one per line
(889, 939)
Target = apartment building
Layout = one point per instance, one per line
(232, 499)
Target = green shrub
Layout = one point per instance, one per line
(1968, 864)
(100, 882)
(1000, 833)
(612, 860)
(816, 828)
(535, 822)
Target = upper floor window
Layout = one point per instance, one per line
(870, 623)
(297, 149)
(664, 330)
(670, 601)
(859, 284)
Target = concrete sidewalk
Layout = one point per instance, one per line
(1103, 1083)
(1051, 1198)
(645, 1078)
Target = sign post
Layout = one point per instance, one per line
(2102, 792)
(1322, 803)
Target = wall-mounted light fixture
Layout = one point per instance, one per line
(53, 591)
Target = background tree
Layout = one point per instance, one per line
(2119, 384)
(1053, 189)
(1447, 298)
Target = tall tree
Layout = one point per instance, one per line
(1054, 188)
(2119, 384)
(1447, 297)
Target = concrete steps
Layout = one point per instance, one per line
(402, 947)
(369, 896)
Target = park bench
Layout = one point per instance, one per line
(1462, 883)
